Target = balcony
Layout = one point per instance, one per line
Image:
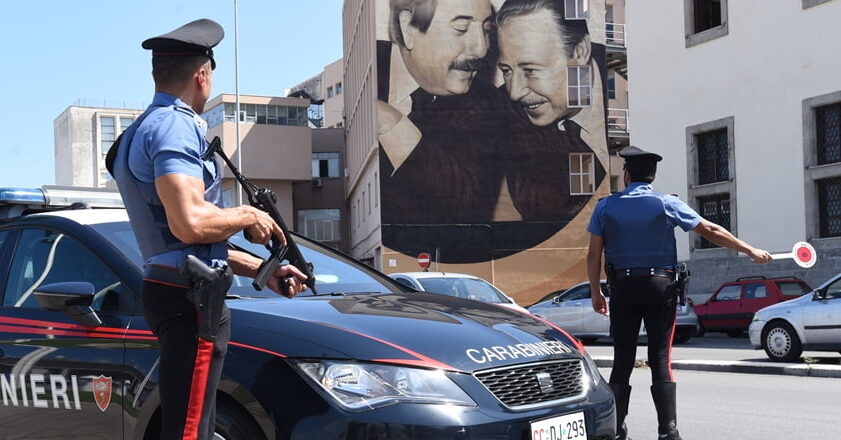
(616, 44)
(615, 35)
(618, 122)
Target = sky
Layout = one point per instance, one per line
(55, 52)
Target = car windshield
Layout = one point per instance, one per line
(469, 288)
(334, 273)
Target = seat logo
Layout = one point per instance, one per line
(102, 392)
(544, 380)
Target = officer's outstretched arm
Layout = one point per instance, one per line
(722, 237)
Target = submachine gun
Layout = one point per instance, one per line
(264, 199)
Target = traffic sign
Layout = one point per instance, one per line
(423, 260)
(802, 253)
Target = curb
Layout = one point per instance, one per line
(803, 370)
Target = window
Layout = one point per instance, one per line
(250, 112)
(227, 198)
(829, 201)
(45, 257)
(711, 168)
(576, 9)
(376, 190)
(325, 165)
(755, 290)
(338, 88)
(728, 293)
(611, 84)
(107, 132)
(582, 173)
(717, 210)
(330, 92)
(369, 198)
(704, 20)
(125, 121)
(793, 289)
(580, 83)
(320, 224)
(713, 154)
(828, 126)
(822, 160)
(809, 3)
(706, 14)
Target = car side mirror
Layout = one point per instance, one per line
(71, 298)
(819, 294)
(556, 300)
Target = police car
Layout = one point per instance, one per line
(365, 358)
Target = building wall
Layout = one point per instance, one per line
(331, 192)
(360, 81)
(79, 155)
(275, 156)
(525, 271)
(334, 106)
(759, 74)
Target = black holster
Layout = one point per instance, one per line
(682, 283)
(207, 293)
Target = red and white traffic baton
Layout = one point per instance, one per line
(802, 253)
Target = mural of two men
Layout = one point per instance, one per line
(489, 124)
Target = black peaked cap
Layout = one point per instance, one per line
(634, 153)
(194, 38)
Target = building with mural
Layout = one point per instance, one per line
(476, 132)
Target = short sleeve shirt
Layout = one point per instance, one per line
(643, 221)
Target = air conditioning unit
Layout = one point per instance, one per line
(316, 182)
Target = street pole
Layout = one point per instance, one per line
(236, 88)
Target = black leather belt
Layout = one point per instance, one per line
(166, 275)
(644, 272)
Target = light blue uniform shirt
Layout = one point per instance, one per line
(171, 140)
(638, 225)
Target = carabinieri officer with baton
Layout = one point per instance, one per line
(635, 229)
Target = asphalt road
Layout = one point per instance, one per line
(714, 347)
(715, 406)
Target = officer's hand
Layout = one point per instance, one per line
(600, 304)
(759, 256)
(292, 285)
(263, 228)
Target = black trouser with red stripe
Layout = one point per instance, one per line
(190, 368)
(648, 299)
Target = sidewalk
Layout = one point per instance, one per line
(737, 366)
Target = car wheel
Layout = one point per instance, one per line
(589, 340)
(735, 333)
(234, 424)
(701, 330)
(781, 343)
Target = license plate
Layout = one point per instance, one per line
(566, 427)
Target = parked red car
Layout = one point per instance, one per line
(730, 309)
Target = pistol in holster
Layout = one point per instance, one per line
(682, 283)
(207, 293)
(609, 270)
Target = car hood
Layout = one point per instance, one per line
(782, 307)
(403, 328)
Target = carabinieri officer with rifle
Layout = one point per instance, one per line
(635, 229)
(173, 197)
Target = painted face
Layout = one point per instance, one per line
(534, 65)
(444, 59)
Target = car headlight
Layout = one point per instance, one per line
(358, 386)
(592, 369)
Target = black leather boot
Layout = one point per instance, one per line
(665, 400)
(622, 392)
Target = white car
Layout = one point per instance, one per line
(573, 311)
(456, 284)
(810, 322)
